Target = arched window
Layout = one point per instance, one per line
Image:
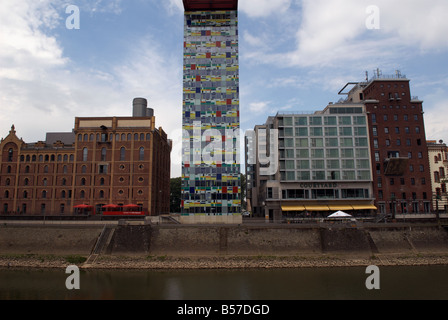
(82, 194)
(102, 182)
(44, 194)
(25, 194)
(142, 154)
(83, 181)
(64, 169)
(63, 194)
(83, 169)
(27, 169)
(26, 181)
(6, 194)
(122, 154)
(85, 153)
(101, 194)
(10, 155)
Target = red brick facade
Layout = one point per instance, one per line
(116, 160)
(401, 173)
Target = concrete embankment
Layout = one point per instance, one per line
(223, 241)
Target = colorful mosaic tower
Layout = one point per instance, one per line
(211, 167)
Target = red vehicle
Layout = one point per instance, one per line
(126, 210)
(111, 210)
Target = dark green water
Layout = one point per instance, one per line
(408, 283)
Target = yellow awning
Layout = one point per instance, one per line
(317, 208)
(341, 207)
(293, 208)
(364, 207)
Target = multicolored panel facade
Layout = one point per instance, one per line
(210, 167)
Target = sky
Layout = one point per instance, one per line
(295, 55)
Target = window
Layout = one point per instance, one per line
(10, 155)
(102, 169)
(377, 156)
(269, 193)
(122, 154)
(103, 154)
(84, 154)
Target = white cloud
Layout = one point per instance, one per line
(328, 33)
(260, 106)
(263, 8)
(43, 91)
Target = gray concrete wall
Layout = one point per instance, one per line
(48, 240)
(221, 240)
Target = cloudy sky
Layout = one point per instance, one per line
(295, 55)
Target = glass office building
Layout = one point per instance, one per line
(210, 164)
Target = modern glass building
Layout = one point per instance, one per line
(323, 164)
(210, 164)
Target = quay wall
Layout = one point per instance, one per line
(219, 240)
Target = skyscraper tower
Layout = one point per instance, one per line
(210, 164)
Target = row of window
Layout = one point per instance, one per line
(319, 120)
(404, 197)
(334, 175)
(320, 131)
(397, 130)
(322, 194)
(85, 154)
(322, 153)
(44, 183)
(66, 194)
(105, 137)
(66, 157)
(65, 170)
(395, 117)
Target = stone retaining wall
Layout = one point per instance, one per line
(181, 240)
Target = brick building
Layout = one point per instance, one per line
(438, 162)
(104, 160)
(401, 172)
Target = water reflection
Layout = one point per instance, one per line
(287, 284)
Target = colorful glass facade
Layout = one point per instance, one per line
(211, 166)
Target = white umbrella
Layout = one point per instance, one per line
(339, 214)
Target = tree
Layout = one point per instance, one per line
(243, 192)
(175, 195)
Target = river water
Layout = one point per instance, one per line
(404, 283)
